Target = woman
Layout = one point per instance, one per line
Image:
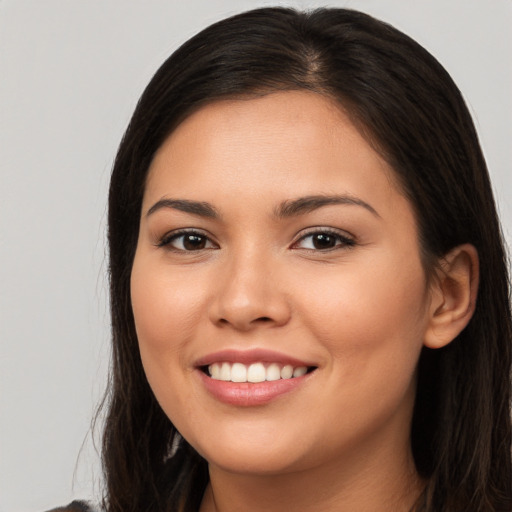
(310, 300)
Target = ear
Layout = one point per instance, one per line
(453, 295)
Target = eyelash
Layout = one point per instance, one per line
(167, 240)
(341, 240)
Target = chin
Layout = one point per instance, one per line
(246, 454)
(255, 462)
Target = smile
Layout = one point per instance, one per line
(255, 372)
(252, 377)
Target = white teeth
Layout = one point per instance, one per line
(215, 371)
(238, 373)
(256, 372)
(225, 371)
(287, 372)
(273, 372)
(300, 371)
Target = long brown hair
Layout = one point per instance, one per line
(407, 106)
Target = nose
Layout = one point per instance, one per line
(249, 294)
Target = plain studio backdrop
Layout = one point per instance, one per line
(71, 72)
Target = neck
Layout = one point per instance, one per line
(380, 481)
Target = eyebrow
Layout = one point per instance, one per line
(307, 204)
(201, 208)
(286, 209)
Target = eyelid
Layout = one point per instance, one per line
(347, 240)
(166, 240)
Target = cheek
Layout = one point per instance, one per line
(166, 315)
(371, 325)
(372, 316)
(166, 312)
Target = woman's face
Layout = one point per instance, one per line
(273, 239)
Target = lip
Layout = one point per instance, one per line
(256, 355)
(246, 394)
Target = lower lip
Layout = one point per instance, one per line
(248, 394)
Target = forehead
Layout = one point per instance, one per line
(281, 142)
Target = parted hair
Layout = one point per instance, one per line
(406, 105)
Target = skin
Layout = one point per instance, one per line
(360, 311)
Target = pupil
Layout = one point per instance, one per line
(323, 241)
(194, 242)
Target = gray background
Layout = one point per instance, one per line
(70, 74)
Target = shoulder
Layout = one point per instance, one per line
(76, 506)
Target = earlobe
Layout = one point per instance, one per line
(453, 295)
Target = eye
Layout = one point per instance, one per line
(323, 241)
(187, 241)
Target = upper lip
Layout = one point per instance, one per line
(257, 355)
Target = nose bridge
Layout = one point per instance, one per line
(249, 291)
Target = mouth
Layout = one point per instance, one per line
(252, 377)
(255, 372)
